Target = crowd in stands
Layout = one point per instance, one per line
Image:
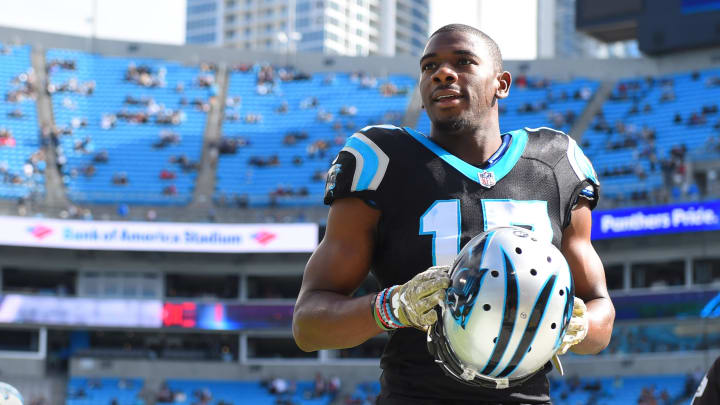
(638, 130)
(652, 390)
(136, 108)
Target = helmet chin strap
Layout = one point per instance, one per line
(439, 348)
(558, 365)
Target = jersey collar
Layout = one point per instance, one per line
(499, 165)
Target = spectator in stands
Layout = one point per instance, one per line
(712, 81)
(319, 386)
(166, 174)
(164, 394)
(15, 113)
(667, 95)
(101, 157)
(678, 118)
(368, 81)
(334, 385)
(241, 201)
(289, 139)
(318, 176)
(278, 386)
(310, 102)
(108, 121)
(166, 138)
(81, 145)
(388, 89)
(647, 396)
(120, 179)
(350, 110)
(710, 109)
(253, 118)
(697, 119)
(297, 161)
(282, 108)
(229, 146)
(6, 138)
(170, 190)
(89, 170)
(324, 116)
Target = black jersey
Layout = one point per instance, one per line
(432, 203)
(708, 392)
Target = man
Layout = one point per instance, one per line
(402, 203)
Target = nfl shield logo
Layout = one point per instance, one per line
(487, 179)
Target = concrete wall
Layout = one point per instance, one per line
(350, 373)
(639, 364)
(21, 367)
(353, 372)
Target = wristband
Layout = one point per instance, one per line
(375, 314)
(383, 310)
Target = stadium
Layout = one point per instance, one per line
(159, 204)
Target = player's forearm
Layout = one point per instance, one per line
(327, 320)
(601, 316)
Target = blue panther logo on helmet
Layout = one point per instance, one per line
(460, 297)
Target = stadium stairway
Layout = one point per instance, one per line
(413, 110)
(205, 180)
(591, 109)
(54, 189)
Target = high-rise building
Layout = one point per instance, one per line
(558, 38)
(345, 27)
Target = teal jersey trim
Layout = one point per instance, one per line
(500, 167)
(369, 164)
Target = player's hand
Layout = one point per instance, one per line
(413, 303)
(577, 330)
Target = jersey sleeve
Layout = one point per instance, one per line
(359, 169)
(708, 392)
(576, 179)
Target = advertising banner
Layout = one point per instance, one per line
(679, 304)
(92, 312)
(224, 316)
(677, 218)
(22, 309)
(153, 236)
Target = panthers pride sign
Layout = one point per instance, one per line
(153, 236)
(677, 218)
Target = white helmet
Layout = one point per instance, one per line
(506, 311)
(9, 395)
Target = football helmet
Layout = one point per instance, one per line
(506, 311)
(9, 395)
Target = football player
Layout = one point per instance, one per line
(403, 204)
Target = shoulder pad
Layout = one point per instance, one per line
(370, 161)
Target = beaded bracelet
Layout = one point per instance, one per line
(383, 311)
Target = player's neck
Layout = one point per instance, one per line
(475, 146)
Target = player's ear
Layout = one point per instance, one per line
(504, 80)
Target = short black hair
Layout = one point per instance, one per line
(493, 47)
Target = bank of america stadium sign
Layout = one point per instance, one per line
(151, 236)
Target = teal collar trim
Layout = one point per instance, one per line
(499, 168)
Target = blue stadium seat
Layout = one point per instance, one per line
(235, 176)
(129, 145)
(14, 181)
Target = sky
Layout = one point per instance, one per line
(512, 23)
(161, 21)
